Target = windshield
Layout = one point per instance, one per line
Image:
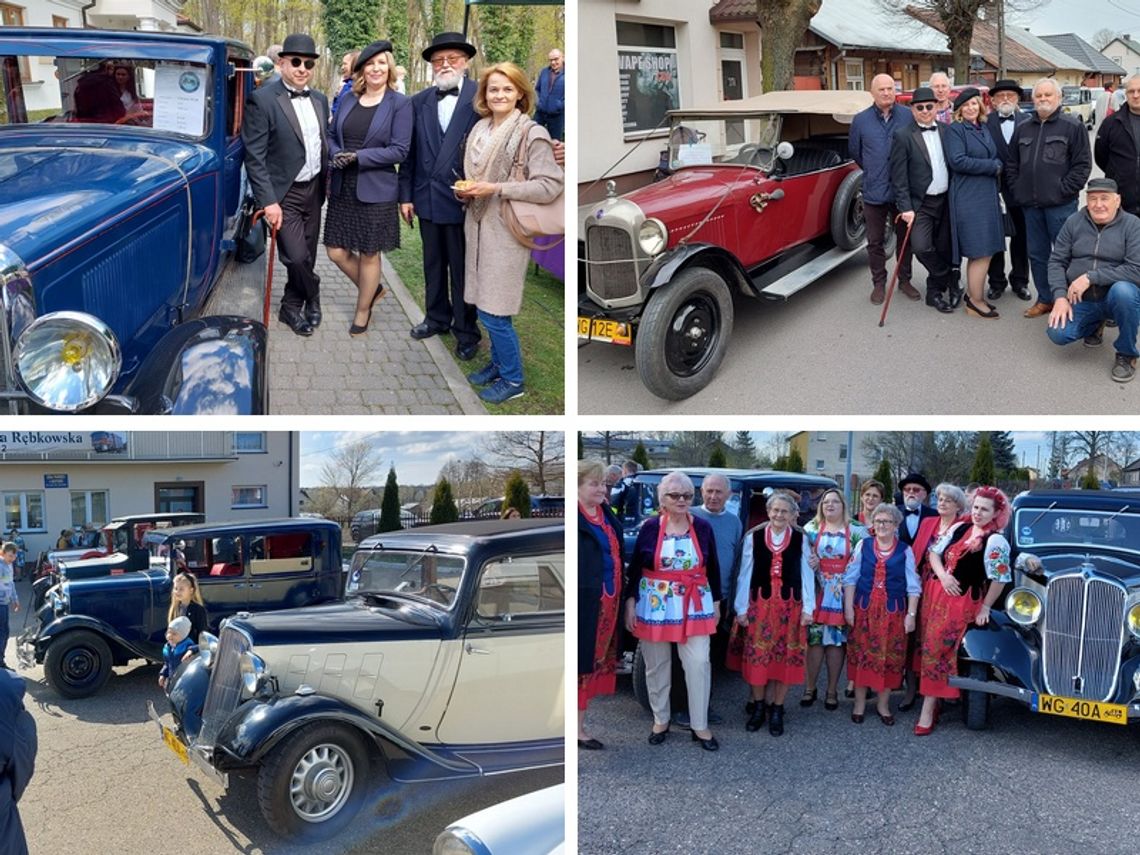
(1080, 529)
(425, 575)
(1070, 95)
(746, 141)
(171, 96)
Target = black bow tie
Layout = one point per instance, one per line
(1008, 118)
(304, 93)
(928, 128)
(440, 94)
(913, 513)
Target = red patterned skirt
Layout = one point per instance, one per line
(603, 680)
(772, 646)
(944, 622)
(876, 647)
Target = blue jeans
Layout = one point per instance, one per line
(1122, 303)
(3, 629)
(1042, 225)
(505, 352)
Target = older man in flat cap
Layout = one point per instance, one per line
(1093, 273)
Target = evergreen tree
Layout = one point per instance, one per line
(640, 455)
(581, 449)
(350, 25)
(390, 504)
(795, 462)
(517, 495)
(1089, 481)
(717, 458)
(443, 508)
(983, 468)
(781, 463)
(744, 450)
(1005, 457)
(885, 477)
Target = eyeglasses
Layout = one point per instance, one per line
(884, 522)
(452, 59)
(922, 108)
(297, 62)
(680, 497)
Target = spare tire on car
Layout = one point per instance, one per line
(848, 228)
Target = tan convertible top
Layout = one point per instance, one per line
(826, 102)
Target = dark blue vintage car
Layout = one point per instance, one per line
(1068, 639)
(121, 186)
(89, 624)
(445, 660)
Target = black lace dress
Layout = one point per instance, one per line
(350, 223)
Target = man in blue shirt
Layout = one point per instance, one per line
(869, 142)
(550, 90)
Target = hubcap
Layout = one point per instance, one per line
(692, 336)
(79, 665)
(321, 783)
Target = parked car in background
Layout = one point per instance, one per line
(117, 223)
(528, 825)
(955, 91)
(540, 506)
(444, 660)
(1079, 102)
(367, 523)
(89, 624)
(1067, 641)
(765, 201)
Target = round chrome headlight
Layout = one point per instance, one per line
(252, 670)
(1023, 606)
(207, 646)
(1133, 621)
(67, 361)
(453, 841)
(652, 236)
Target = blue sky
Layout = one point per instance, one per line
(418, 455)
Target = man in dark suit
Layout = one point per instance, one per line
(921, 182)
(443, 114)
(1002, 121)
(915, 491)
(286, 150)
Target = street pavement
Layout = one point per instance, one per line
(1031, 784)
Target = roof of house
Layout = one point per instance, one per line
(1079, 49)
(1024, 52)
(1128, 42)
(1044, 49)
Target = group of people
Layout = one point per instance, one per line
(889, 591)
(956, 178)
(451, 156)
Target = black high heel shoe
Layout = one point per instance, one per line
(709, 744)
(355, 330)
(971, 309)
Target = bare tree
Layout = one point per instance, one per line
(782, 27)
(471, 479)
(1092, 443)
(538, 454)
(1103, 37)
(608, 437)
(351, 468)
(1125, 447)
(692, 447)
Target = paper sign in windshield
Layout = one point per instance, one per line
(180, 99)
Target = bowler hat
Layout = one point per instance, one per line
(915, 478)
(1006, 85)
(299, 44)
(922, 95)
(382, 46)
(965, 95)
(1102, 185)
(448, 40)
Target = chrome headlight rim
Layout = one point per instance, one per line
(207, 647)
(51, 331)
(457, 841)
(252, 670)
(652, 236)
(1132, 621)
(1024, 618)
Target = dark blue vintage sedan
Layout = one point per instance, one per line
(121, 186)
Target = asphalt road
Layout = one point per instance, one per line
(1031, 784)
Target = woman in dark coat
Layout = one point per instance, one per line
(600, 564)
(975, 206)
(17, 760)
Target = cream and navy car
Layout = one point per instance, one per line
(444, 660)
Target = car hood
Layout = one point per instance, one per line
(692, 189)
(1068, 561)
(55, 190)
(102, 587)
(351, 621)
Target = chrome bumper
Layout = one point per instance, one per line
(195, 753)
(26, 647)
(992, 687)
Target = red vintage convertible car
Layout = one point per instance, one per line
(763, 199)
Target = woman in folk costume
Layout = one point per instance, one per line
(671, 598)
(831, 537)
(971, 567)
(881, 590)
(775, 598)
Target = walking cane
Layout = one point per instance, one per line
(895, 275)
(269, 268)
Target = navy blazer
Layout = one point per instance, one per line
(435, 161)
(993, 122)
(387, 143)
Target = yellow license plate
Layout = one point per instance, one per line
(603, 329)
(1087, 710)
(174, 745)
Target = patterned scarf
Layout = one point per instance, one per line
(491, 153)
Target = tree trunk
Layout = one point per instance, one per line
(782, 25)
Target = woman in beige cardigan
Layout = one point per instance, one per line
(496, 261)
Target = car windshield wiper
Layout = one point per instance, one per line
(1044, 511)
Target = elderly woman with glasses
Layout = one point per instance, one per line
(971, 567)
(672, 596)
(775, 598)
(880, 590)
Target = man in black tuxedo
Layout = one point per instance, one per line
(443, 114)
(286, 149)
(1002, 121)
(921, 181)
(915, 492)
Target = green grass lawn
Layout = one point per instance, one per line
(540, 327)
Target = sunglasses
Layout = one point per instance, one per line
(680, 497)
(451, 59)
(922, 108)
(297, 62)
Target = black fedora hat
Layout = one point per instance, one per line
(965, 95)
(448, 40)
(1006, 85)
(299, 44)
(382, 46)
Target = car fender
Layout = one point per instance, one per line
(63, 625)
(667, 265)
(187, 695)
(1002, 646)
(209, 366)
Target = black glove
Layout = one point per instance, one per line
(343, 159)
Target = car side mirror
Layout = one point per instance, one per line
(785, 150)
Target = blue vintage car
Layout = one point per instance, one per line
(121, 186)
(445, 660)
(1068, 639)
(89, 624)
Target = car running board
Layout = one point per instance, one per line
(808, 271)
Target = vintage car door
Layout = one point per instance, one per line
(773, 214)
(283, 570)
(513, 648)
(218, 562)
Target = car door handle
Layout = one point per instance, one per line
(760, 200)
(471, 648)
(254, 584)
(239, 585)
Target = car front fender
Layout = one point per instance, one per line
(1006, 648)
(666, 266)
(187, 695)
(209, 366)
(67, 623)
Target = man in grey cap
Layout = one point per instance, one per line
(1093, 275)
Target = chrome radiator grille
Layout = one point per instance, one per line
(611, 280)
(225, 685)
(1083, 637)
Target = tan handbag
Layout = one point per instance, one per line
(529, 220)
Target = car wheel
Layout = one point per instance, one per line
(312, 784)
(640, 690)
(78, 663)
(683, 334)
(976, 705)
(848, 228)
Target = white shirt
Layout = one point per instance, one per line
(940, 183)
(1007, 129)
(311, 131)
(446, 106)
(744, 577)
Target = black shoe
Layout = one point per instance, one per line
(750, 707)
(1022, 292)
(776, 720)
(831, 704)
(425, 330)
(939, 302)
(466, 352)
(657, 738)
(995, 291)
(849, 693)
(709, 744)
(907, 706)
(756, 719)
(808, 698)
(312, 313)
(954, 298)
(293, 318)
(590, 744)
